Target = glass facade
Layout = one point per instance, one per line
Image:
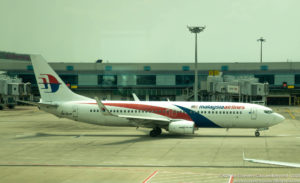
(70, 79)
(297, 79)
(186, 80)
(107, 80)
(265, 78)
(146, 79)
(28, 78)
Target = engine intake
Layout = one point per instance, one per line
(182, 127)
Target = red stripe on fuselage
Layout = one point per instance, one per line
(153, 109)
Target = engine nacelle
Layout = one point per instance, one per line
(182, 127)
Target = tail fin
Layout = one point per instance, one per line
(51, 87)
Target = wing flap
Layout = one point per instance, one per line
(147, 121)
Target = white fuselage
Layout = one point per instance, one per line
(203, 114)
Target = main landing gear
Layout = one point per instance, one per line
(155, 132)
(257, 134)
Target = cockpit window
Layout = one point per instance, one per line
(268, 111)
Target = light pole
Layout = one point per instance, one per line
(196, 30)
(261, 39)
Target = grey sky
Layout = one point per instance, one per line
(151, 30)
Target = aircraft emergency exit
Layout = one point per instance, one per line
(174, 117)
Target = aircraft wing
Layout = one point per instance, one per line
(297, 165)
(38, 104)
(147, 121)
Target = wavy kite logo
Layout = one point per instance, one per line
(48, 79)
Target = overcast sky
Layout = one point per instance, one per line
(151, 30)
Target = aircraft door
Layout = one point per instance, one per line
(75, 112)
(253, 113)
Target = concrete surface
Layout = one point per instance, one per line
(39, 147)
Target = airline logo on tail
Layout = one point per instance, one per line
(49, 80)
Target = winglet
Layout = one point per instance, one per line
(102, 107)
(135, 97)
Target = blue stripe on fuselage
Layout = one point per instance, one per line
(199, 119)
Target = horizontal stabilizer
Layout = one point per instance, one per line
(38, 104)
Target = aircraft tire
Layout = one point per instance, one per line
(153, 133)
(158, 130)
(257, 134)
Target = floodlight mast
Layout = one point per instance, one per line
(261, 39)
(196, 30)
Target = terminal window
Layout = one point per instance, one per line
(265, 78)
(185, 68)
(187, 80)
(146, 80)
(224, 68)
(107, 80)
(28, 78)
(297, 79)
(70, 79)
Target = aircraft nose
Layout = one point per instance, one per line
(278, 118)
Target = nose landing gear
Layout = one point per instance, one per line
(257, 134)
(155, 132)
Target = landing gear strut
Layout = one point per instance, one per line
(155, 132)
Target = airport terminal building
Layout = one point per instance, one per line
(276, 83)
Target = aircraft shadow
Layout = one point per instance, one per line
(38, 135)
(137, 138)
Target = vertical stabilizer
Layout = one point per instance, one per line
(51, 87)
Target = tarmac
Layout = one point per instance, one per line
(38, 147)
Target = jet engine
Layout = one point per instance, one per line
(182, 127)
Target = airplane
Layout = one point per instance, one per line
(172, 116)
(280, 163)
